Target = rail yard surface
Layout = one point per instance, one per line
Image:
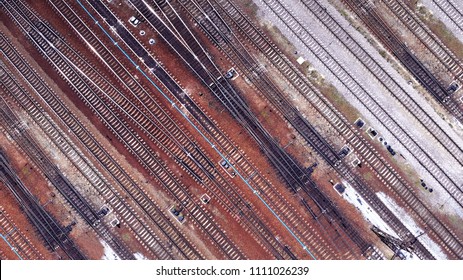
(226, 129)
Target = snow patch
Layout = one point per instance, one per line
(407, 255)
(139, 256)
(351, 195)
(109, 253)
(410, 224)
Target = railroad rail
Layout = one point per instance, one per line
(112, 197)
(82, 76)
(386, 80)
(294, 77)
(358, 91)
(240, 56)
(374, 21)
(28, 145)
(220, 188)
(245, 211)
(51, 231)
(23, 18)
(271, 195)
(16, 129)
(451, 11)
(21, 245)
(218, 88)
(290, 171)
(311, 136)
(199, 214)
(430, 40)
(327, 58)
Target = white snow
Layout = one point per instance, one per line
(300, 60)
(109, 253)
(372, 217)
(351, 195)
(408, 255)
(410, 224)
(139, 256)
(410, 124)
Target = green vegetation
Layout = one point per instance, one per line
(265, 114)
(126, 237)
(25, 170)
(383, 53)
(250, 8)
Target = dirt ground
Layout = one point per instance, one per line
(88, 241)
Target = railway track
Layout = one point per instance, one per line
(50, 171)
(312, 138)
(112, 196)
(374, 21)
(237, 114)
(386, 80)
(126, 108)
(247, 65)
(355, 87)
(16, 130)
(452, 12)
(388, 175)
(199, 164)
(21, 245)
(429, 40)
(232, 101)
(23, 139)
(74, 69)
(241, 213)
(51, 231)
(189, 161)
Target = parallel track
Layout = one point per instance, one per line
(195, 57)
(111, 195)
(386, 80)
(239, 55)
(86, 81)
(309, 133)
(427, 37)
(294, 77)
(137, 48)
(186, 153)
(360, 92)
(374, 21)
(23, 17)
(452, 12)
(15, 237)
(49, 229)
